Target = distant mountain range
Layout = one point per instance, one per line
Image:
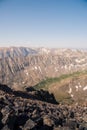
(21, 67)
(27, 66)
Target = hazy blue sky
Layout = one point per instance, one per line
(47, 23)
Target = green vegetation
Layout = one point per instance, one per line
(58, 86)
(44, 84)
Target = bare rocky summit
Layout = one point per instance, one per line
(20, 112)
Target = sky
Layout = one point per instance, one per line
(43, 23)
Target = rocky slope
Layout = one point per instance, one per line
(18, 112)
(23, 66)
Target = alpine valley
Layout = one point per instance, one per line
(60, 71)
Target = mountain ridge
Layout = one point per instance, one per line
(21, 66)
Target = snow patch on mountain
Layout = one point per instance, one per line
(85, 88)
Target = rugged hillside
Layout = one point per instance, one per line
(22, 66)
(68, 88)
(21, 112)
(58, 71)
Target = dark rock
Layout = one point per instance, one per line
(71, 114)
(21, 119)
(45, 96)
(5, 88)
(20, 113)
(30, 89)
